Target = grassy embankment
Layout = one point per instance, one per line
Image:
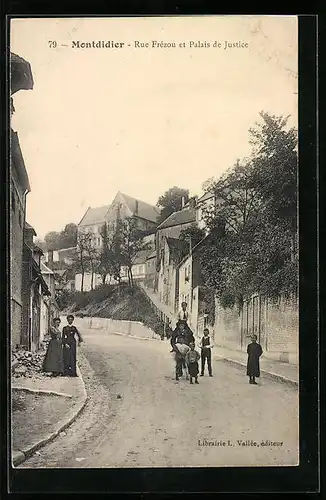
(116, 302)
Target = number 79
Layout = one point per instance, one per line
(52, 44)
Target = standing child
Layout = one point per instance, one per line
(180, 351)
(206, 353)
(254, 351)
(192, 358)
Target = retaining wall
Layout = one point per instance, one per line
(132, 328)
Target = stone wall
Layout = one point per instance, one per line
(276, 324)
(132, 328)
(17, 220)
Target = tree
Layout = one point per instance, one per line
(192, 235)
(110, 259)
(64, 239)
(91, 254)
(237, 199)
(68, 237)
(131, 244)
(82, 263)
(254, 226)
(52, 240)
(171, 201)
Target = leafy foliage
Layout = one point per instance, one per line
(110, 259)
(131, 243)
(253, 224)
(192, 235)
(171, 201)
(63, 239)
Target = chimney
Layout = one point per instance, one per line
(136, 208)
(182, 201)
(50, 259)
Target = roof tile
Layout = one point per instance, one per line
(179, 218)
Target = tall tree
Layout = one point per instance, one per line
(131, 244)
(110, 260)
(192, 235)
(171, 201)
(64, 239)
(52, 240)
(81, 262)
(254, 225)
(68, 237)
(92, 255)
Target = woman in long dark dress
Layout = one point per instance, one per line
(69, 334)
(53, 360)
(254, 351)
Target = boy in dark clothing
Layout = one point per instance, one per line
(254, 351)
(192, 358)
(206, 353)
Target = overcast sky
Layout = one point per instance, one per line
(143, 120)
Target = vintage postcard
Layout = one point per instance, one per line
(154, 242)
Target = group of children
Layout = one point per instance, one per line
(186, 356)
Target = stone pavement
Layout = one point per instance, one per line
(42, 408)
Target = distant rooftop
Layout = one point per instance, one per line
(94, 216)
(142, 256)
(143, 210)
(137, 207)
(179, 218)
(205, 196)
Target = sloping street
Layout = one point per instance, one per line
(138, 416)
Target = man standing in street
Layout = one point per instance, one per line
(183, 314)
(206, 353)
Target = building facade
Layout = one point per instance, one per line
(168, 276)
(123, 206)
(34, 289)
(21, 79)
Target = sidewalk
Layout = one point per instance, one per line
(165, 309)
(285, 372)
(42, 407)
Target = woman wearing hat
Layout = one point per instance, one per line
(69, 334)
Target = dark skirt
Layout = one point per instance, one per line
(253, 369)
(69, 359)
(193, 369)
(53, 361)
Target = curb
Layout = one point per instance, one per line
(134, 336)
(41, 391)
(274, 376)
(19, 456)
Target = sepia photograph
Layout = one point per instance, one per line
(154, 257)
